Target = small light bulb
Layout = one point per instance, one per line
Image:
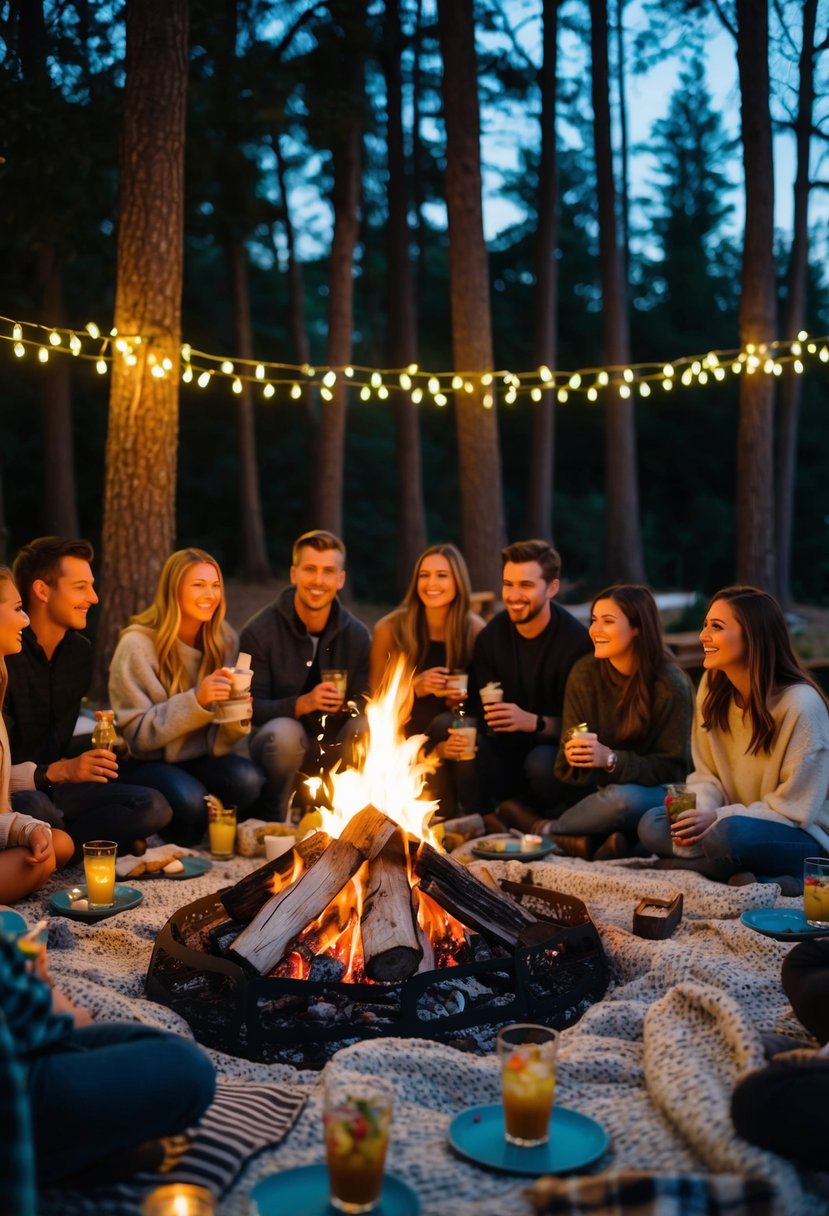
(668, 370)
(187, 374)
(349, 372)
(203, 380)
(54, 338)
(440, 399)
(365, 393)
(296, 391)
(562, 395)
(536, 394)
(487, 401)
(158, 372)
(326, 394)
(592, 393)
(17, 332)
(628, 375)
(667, 384)
(798, 367)
(382, 392)
(330, 378)
(237, 386)
(75, 344)
(644, 389)
(376, 379)
(417, 395)
(602, 380)
(101, 367)
(575, 380)
(457, 382)
(624, 391)
(92, 330)
(268, 391)
(19, 349)
(468, 386)
(186, 352)
(545, 374)
(43, 355)
(486, 379)
(405, 381)
(433, 385)
(260, 372)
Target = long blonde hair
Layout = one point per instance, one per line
(408, 622)
(5, 577)
(164, 617)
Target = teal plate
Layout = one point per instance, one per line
(304, 1192)
(12, 924)
(125, 897)
(783, 924)
(193, 866)
(575, 1142)
(512, 851)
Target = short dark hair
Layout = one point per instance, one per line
(41, 558)
(317, 539)
(534, 551)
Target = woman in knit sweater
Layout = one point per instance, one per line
(169, 676)
(638, 706)
(761, 752)
(29, 850)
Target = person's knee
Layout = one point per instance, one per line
(280, 746)
(654, 832)
(187, 1077)
(248, 780)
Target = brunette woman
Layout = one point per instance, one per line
(760, 748)
(169, 676)
(637, 705)
(29, 849)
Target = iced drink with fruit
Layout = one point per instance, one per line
(816, 892)
(357, 1121)
(528, 1081)
(678, 799)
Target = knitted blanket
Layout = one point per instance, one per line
(655, 1061)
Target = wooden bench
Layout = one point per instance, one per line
(685, 647)
(483, 602)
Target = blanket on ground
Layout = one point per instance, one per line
(655, 1061)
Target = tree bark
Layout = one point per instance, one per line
(755, 473)
(479, 459)
(623, 540)
(142, 438)
(254, 550)
(539, 517)
(402, 327)
(60, 514)
(300, 345)
(791, 388)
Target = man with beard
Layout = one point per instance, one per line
(528, 649)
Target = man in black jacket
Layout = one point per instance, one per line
(304, 632)
(528, 649)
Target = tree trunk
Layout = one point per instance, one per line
(624, 205)
(791, 388)
(60, 514)
(142, 439)
(539, 517)
(755, 472)
(479, 459)
(402, 328)
(254, 550)
(418, 154)
(623, 540)
(300, 345)
(329, 482)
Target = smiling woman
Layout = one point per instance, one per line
(170, 685)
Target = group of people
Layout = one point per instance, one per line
(582, 730)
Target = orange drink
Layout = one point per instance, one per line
(99, 870)
(356, 1125)
(816, 891)
(221, 829)
(528, 1081)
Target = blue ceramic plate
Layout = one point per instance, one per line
(508, 848)
(304, 1192)
(193, 866)
(575, 1141)
(125, 897)
(12, 924)
(783, 924)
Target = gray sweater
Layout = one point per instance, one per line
(155, 725)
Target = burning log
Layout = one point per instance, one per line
(465, 897)
(266, 939)
(391, 945)
(244, 900)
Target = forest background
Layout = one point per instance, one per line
(329, 143)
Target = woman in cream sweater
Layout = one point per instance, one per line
(168, 680)
(760, 747)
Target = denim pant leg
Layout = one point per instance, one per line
(546, 791)
(116, 811)
(39, 806)
(236, 780)
(655, 831)
(759, 845)
(805, 979)
(613, 808)
(110, 1087)
(184, 793)
(279, 747)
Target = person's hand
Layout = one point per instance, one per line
(691, 825)
(98, 765)
(585, 751)
(40, 845)
(506, 716)
(431, 682)
(61, 1003)
(215, 687)
(453, 747)
(323, 698)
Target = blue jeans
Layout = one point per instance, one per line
(613, 808)
(108, 1088)
(283, 746)
(513, 764)
(90, 810)
(235, 780)
(735, 843)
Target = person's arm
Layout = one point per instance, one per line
(256, 642)
(149, 718)
(27, 1005)
(666, 757)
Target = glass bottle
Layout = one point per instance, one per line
(104, 736)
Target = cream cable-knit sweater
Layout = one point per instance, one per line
(788, 785)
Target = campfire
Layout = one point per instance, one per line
(368, 928)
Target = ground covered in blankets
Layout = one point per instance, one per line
(655, 1061)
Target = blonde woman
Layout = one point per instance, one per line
(29, 849)
(169, 674)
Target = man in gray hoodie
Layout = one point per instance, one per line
(304, 632)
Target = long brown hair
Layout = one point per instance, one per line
(164, 617)
(408, 622)
(772, 665)
(5, 577)
(633, 711)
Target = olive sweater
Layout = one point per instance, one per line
(662, 755)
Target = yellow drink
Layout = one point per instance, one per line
(528, 1082)
(356, 1128)
(222, 837)
(816, 899)
(100, 881)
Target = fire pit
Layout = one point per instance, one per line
(367, 928)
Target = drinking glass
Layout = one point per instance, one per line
(356, 1125)
(528, 1080)
(221, 828)
(816, 892)
(679, 798)
(337, 677)
(99, 871)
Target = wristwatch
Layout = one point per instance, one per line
(42, 782)
(610, 763)
(540, 724)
